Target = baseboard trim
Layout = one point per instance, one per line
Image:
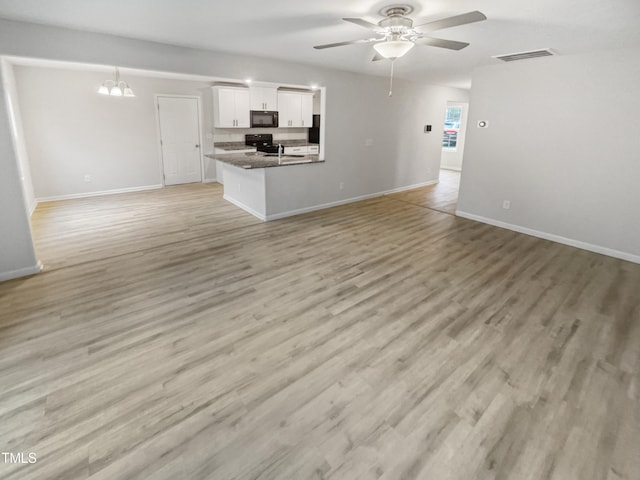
(245, 208)
(21, 272)
(97, 194)
(409, 187)
(210, 180)
(337, 203)
(32, 207)
(553, 237)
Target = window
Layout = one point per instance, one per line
(451, 127)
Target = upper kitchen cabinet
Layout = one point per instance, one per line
(264, 98)
(295, 109)
(231, 107)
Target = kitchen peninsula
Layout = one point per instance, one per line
(252, 184)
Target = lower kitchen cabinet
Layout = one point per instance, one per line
(302, 150)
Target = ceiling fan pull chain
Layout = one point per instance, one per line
(391, 78)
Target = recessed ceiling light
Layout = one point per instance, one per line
(247, 81)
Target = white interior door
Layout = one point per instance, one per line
(180, 139)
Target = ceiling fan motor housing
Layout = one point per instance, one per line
(396, 21)
(396, 24)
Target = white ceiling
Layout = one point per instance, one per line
(288, 29)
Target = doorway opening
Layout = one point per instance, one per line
(453, 138)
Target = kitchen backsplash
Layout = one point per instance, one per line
(237, 134)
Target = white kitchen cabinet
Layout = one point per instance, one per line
(286, 108)
(295, 109)
(231, 106)
(295, 150)
(264, 98)
(307, 111)
(302, 150)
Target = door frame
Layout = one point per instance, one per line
(462, 132)
(157, 97)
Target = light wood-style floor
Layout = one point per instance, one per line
(443, 196)
(173, 336)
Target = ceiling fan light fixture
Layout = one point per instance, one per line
(393, 48)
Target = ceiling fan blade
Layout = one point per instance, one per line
(438, 42)
(377, 57)
(340, 44)
(454, 21)
(362, 23)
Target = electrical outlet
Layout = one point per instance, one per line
(341, 185)
(88, 178)
(506, 204)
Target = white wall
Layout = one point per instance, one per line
(452, 158)
(15, 121)
(17, 257)
(75, 131)
(562, 146)
(357, 107)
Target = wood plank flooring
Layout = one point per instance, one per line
(443, 196)
(183, 339)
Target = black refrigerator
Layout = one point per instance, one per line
(314, 132)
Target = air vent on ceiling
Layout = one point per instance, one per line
(512, 57)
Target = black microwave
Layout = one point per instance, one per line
(264, 119)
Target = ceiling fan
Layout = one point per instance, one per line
(398, 35)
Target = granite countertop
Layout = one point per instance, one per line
(241, 145)
(262, 160)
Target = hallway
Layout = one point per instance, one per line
(442, 196)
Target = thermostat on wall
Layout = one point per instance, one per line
(483, 124)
